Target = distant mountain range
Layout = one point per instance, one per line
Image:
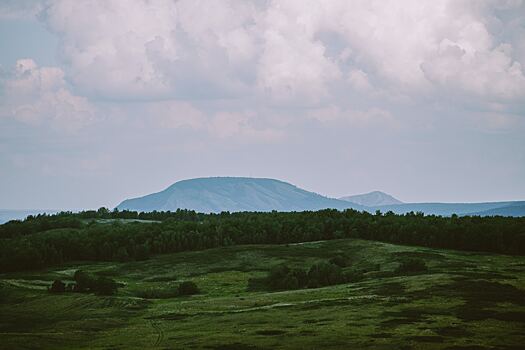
(447, 209)
(372, 199)
(216, 194)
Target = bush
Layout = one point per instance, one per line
(340, 260)
(188, 288)
(281, 277)
(83, 280)
(324, 274)
(58, 287)
(89, 283)
(158, 293)
(412, 265)
(104, 286)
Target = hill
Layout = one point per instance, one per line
(216, 194)
(372, 199)
(447, 209)
(456, 299)
(516, 209)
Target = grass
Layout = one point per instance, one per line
(462, 301)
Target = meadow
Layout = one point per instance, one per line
(463, 300)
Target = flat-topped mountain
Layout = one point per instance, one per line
(372, 199)
(216, 194)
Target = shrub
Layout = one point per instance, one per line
(58, 287)
(104, 286)
(99, 285)
(158, 293)
(339, 260)
(83, 280)
(324, 274)
(188, 288)
(352, 276)
(282, 277)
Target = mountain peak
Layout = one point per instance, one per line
(372, 199)
(216, 194)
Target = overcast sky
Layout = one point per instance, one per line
(106, 100)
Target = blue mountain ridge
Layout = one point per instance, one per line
(216, 194)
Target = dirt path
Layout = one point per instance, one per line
(160, 333)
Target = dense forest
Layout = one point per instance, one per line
(104, 235)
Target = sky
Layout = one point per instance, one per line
(106, 100)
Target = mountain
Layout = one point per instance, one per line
(16, 214)
(447, 209)
(372, 199)
(514, 209)
(216, 194)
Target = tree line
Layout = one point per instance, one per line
(45, 240)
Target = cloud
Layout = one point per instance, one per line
(39, 95)
(487, 73)
(154, 49)
(240, 125)
(359, 80)
(176, 114)
(302, 53)
(375, 117)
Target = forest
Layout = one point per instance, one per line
(103, 235)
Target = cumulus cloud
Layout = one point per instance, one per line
(39, 95)
(299, 52)
(359, 80)
(240, 125)
(377, 117)
(154, 49)
(176, 114)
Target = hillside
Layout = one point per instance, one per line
(516, 209)
(216, 194)
(459, 302)
(372, 199)
(447, 209)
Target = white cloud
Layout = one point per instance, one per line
(359, 80)
(347, 55)
(357, 118)
(299, 52)
(239, 125)
(487, 73)
(112, 47)
(154, 49)
(39, 95)
(176, 114)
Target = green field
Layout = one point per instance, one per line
(464, 301)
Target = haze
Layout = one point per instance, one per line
(106, 100)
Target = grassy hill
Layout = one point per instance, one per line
(463, 301)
